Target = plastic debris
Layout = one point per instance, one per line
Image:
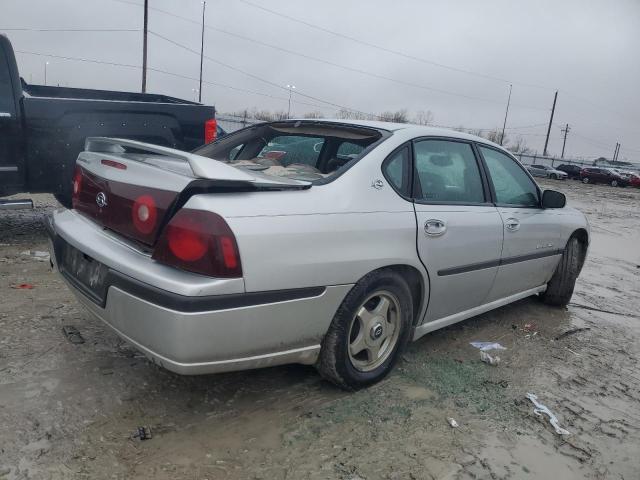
(143, 433)
(23, 286)
(485, 346)
(72, 334)
(540, 409)
(452, 422)
(488, 359)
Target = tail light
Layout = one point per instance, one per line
(210, 130)
(199, 242)
(76, 185)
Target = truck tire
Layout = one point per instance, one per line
(365, 339)
(560, 287)
(64, 199)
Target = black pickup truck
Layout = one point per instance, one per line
(43, 128)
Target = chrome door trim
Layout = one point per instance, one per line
(493, 263)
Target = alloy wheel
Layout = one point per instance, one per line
(374, 331)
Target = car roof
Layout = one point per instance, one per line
(416, 130)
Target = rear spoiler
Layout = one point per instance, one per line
(201, 167)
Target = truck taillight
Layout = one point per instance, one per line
(210, 130)
(199, 242)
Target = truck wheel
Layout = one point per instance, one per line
(369, 331)
(64, 199)
(585, 180)
(560, 287)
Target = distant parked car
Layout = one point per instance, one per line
(546, 171)
(572, 171)
(634, 180)
(603, 175)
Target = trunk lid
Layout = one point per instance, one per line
(134, 188)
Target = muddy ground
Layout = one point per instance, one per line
(69, 410)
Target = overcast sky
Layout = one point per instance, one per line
(588, 50)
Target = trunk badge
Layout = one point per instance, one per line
(101, 199)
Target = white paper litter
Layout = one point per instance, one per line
(540, 409)
(452, 422)
(484, 346)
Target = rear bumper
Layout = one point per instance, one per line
(213, 333)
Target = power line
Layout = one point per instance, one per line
(337, 65)
(260, 79)
(388, 50)
(92, 30)
(102, 62)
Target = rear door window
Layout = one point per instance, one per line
(447, 172)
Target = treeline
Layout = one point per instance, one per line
(516, 144)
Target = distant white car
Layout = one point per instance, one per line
(546, 171)
(328, 243)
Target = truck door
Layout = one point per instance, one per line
(11, 166)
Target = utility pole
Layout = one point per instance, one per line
(553, 109)
(505, 115)
(204, 6)
(45, 72)
(291, 88)
(144, 47)
(616, 151)
(565, 130)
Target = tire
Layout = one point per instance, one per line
(614, 183)
(585, 180)
(554, 176)
(64, 199)
(560, 287)
(348, 331)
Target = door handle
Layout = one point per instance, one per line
(434, 227)
(512, 224)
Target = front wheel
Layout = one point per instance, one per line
(560, 287)
(554, 176)
(585, 180)
(369, 331)
(614, 183)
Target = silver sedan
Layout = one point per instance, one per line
(329, 243)
(547, 172)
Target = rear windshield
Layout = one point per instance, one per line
(311, 151)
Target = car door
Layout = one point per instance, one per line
(531, 249)
(459, 231)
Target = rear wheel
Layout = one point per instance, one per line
(560, 287)
(369, 331)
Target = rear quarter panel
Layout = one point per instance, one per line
(327, 235)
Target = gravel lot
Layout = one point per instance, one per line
(69, 410)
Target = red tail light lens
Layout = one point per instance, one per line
(210, 130)
(199, 242)
(76, 185)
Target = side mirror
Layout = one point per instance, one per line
(553, 199)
